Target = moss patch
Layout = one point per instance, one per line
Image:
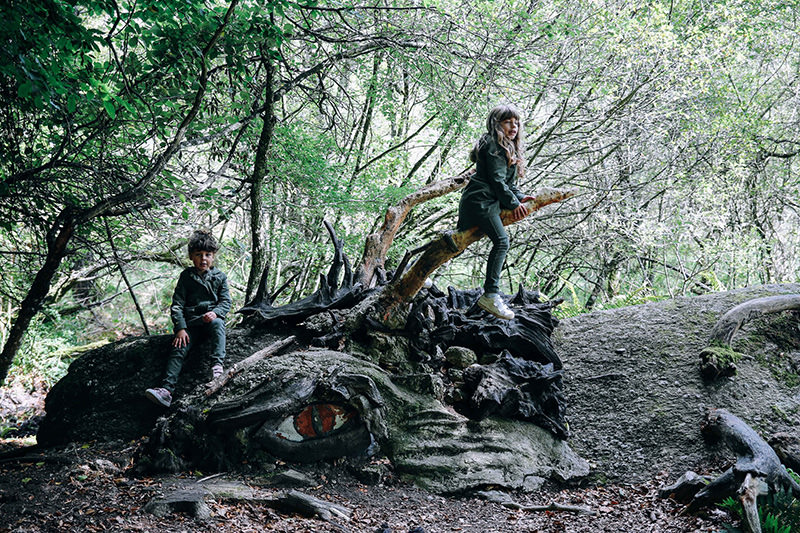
(719, 360)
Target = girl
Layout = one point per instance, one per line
(498, 156)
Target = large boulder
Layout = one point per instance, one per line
(102, 395)
(635, 392)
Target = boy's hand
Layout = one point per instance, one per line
(208, 317)
(181, 339)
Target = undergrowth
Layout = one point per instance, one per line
(778, 512)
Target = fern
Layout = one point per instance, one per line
(732, 506)
(771, 524)
(779, 512)
(783, 508)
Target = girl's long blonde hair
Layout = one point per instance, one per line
(513, 148)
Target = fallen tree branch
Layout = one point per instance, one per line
(216, 384)
(448, 246)
(577, 509)
(303, 504)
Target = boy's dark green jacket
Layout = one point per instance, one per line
(492, 188)
(195, 295)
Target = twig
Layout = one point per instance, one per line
(577, 509)
(125, 278)
(212, 476)
(216, 384)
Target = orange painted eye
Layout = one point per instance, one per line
(315, 421)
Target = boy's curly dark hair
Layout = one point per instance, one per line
(202, 241)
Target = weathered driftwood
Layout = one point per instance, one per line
(438, 252)
(303, 504)
(217, 383)
(757, 469)
(717, 359)
(685, 488)
(377, 244)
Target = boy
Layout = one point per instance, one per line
(199, 305)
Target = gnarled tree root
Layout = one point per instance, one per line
(757, 470)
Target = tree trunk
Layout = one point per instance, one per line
(56, 250)
(257, 249)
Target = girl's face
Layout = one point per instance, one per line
(510, 128)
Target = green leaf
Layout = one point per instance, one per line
(72, 103)
(25, 89)
(109, 107)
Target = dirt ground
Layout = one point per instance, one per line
(91, 487)
(86, 488)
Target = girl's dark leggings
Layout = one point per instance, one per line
(492, 226)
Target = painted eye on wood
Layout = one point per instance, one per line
(316, 421)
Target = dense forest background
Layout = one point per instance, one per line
(127, 124)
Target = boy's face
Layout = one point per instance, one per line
(203, 260)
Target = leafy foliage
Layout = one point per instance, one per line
(779, 512)
(676, 122)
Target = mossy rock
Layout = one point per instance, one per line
(718, 361)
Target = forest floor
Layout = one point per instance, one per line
(86, 488)
(90, 487)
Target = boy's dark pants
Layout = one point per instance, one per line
(214, 330)
(492, 226)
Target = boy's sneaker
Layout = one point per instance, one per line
(495, 305)
(159, 396)
(216, 371)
